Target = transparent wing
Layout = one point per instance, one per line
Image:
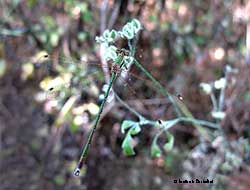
(79, 76)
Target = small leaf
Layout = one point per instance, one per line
(113, 34)
(127, 145)
(169, 145)
(129, 35)
(128, 31)
(106, 33)
(135, 129)
(155, 149)
(137, 25)
(126, 124)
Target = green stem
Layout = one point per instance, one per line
(128, 107)
(169, 123)
(199, 122)
(214, 102)
(86, 147)
(177, 104)
(159, 86)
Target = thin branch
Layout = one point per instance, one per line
(214, 102)
(102, 48)
(127, 106)
(114, 15)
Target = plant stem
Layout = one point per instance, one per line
(169, 123)
(141, 118)
(199, 122)
(159, 86)
(86, 147)
(127, 106)
(177, 104)
(214, 102)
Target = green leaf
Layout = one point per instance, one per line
(128, 31)
(126, 124)
(127, 145)
(137, 25)
(113, 34)
(169, 145)
(129, 35)
(155, 149)
(106, 33)
(135, 129)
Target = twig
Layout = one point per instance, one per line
(177, 104)
(29, 27)
(102, 48)
(114, 15)
(214, 102)
(167, 123)
(127, 106)
(59, 128)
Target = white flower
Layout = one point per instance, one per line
(206, 87)
(219, 84)
(218, 114)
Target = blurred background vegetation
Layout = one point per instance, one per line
(183, 44)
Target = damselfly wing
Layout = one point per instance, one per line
(79, 74)
(81, 69)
